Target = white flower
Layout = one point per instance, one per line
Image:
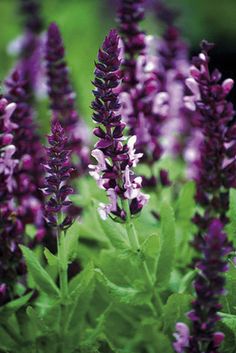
(105, 209)
(97, 170)
(134, 157)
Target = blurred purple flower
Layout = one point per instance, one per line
(216, 165)
(62, 99)
(11, 228)
(58, 168)
(209, 287)
(29, 151)
(115, 158)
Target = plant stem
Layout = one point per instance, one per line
(63, 279)
(134, 240)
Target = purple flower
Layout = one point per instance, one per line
(29, 151)
(130, 14)
(56, 186)
(115, 158)
(28, 47)
(182, 337)
(31, 13)
(209, 287)
(11, 228)
(62, 98)
(216, 165)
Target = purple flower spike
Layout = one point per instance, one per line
(11, 228)
(62, 98)
(29, 151)
(115, 158)
(59, 172)
(216, 166)
(31, 12)
(130, 14)
(209, 287)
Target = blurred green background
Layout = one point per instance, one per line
(84, 24)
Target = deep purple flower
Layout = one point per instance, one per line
(29, 47)
(11, 228)
(62, 98)
(58, 168)
(130, 14)
(209, 287)
(115, 157)
(31, 13)
(143, 103)
(217, 162)
(29, 151)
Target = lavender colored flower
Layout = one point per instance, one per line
(209, 287)
(217, 151)
(62, 98)
(29, 151)
(56, 186)
(130, 14)
(11, 228)
(29, 47)
(115, 158)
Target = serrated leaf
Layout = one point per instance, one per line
(127, 295)
(166, 257)
(8, 309)
(115, 233)
(39, 275)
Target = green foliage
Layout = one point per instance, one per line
(41, 278)
(166, 257)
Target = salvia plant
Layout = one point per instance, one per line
(120, 239)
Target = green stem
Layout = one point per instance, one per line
(134, 240)
(63, 279)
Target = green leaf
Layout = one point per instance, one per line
(186, 203)
(71, 241)
(81, 289)
(125, 295)
(166, 257)
(175, 310)
(39, 275)
(231, 228)
(30, 230)
(115, 233)
(229, 320)
(51, 259)
(10, 308)
(186, 281)
(151, 246)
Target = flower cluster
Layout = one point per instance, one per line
(115, 158)
(217, 150)
(130, 14)
(56, 186)
(63, 98)
(29, 172)
(209, 286)
(30, 46)
(31, 13)
(11, 228)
